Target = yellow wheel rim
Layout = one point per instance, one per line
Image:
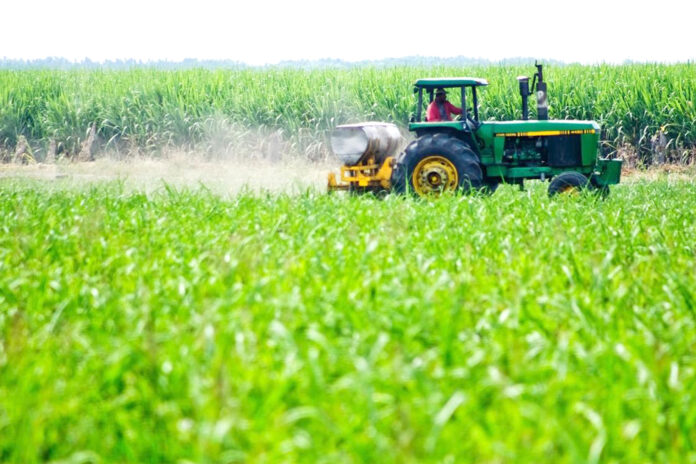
(569, 190)
(433, 175)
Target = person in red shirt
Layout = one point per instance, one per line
(440, 109)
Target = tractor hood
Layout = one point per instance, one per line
(534, 128)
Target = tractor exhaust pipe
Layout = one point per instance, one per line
(524, 91)
(541, 95)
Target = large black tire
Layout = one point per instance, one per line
(569, 182)
(441, 163)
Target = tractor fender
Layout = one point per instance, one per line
(465, 136)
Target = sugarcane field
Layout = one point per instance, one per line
(284, 254)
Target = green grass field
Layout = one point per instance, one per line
(155, 109)
(184, 326)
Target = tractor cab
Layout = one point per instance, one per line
(461, 92)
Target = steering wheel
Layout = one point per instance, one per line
(470, 121)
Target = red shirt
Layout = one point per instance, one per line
(434, 111)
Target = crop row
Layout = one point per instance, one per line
(152, 109)
(186, 327)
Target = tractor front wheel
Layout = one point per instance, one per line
(568, 183)
(434, 164)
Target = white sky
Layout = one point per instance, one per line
(267, 31)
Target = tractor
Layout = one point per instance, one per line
(467, 154)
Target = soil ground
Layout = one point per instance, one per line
(231, 176)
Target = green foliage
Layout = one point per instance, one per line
(183, 326)
(155, 108)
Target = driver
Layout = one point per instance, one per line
(440, 109)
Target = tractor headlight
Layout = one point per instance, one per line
(349, 144)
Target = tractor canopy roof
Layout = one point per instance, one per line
(435, 82)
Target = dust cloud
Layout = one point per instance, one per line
(183, 170)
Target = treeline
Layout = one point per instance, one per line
(59, 63)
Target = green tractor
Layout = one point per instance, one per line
(467, 154)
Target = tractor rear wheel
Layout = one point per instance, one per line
(568, 183)
(434, 164)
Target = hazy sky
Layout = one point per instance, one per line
(265, 31)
